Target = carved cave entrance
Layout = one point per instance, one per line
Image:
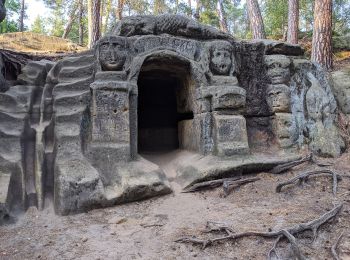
(163, 102)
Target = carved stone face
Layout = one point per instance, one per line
(277, 67)
(220, 58)
(278, 98)
(112, 54)
(283, 129)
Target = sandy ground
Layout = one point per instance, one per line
(147, 229)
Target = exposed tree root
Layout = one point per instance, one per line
(286, 166)
(208, 184)
(335, 246)
(228, 184)
(303, 177)
(288, 233)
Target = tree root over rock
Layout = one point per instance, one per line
(303, 177)
(228, 184)
(288, 233)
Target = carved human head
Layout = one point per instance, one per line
(221, 60)
(284, 129)
(277, 68)
(278, 98)
(111, 53)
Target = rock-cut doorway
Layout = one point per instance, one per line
(163, 102)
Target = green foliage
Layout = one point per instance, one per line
(10, 24)
(38, 25)
(275, 15)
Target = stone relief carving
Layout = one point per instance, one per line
(277, 67)
(324, 137)
(278, 98)
(112, 53)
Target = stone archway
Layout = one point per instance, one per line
(166, 104)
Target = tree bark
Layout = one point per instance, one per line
(256, 21)
(322, 34)
(120, 9)
(72, 16)
(94, 13)
(80, 21)
(108, 10)
(222, 16)
(21, 16)
(2, 10)
(189, 8)
(293, 21)
(197, 15)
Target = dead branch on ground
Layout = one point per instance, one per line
(303, 177)
(335, 246)
(288, 233)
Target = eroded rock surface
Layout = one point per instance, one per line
(78, 130)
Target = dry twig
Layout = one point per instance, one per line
(288, 233)
(303, 177)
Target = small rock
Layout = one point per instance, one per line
(113, 233)
(84, 239)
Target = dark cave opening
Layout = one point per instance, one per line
(157, 111)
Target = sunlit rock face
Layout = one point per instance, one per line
(79, 131)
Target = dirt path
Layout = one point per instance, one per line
(147, 229)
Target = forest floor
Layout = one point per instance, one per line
(148, 229)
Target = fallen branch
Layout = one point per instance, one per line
(286, 166)
(335, 246)
(303, 177)
(288, 233)
(208, 184)
(229, 185)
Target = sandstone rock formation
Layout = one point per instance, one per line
(77, 130)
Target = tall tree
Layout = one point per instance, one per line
(120, 8)
(222, 16)
(21, 16)
(322, 34)
(2, 10)
(72, 16)
(94, 13)
(38, 25)
(293, 21)
(80, 22)
(255, 18)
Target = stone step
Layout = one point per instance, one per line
(62, 111)
(70, 116)
(69, 73)
(83, 60)
(67, 130)
(76, 85)
(12, 122)
(67, 99)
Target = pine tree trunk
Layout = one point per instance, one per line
(72, 16)
(108, 11)
(120, 9)
(222, 16)
(197, 15)
(190, 8)
(2, 10)
(94, 9)
(80, 21)
(293, 21)
(256, 21)
(322, 34)
(21, 17)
